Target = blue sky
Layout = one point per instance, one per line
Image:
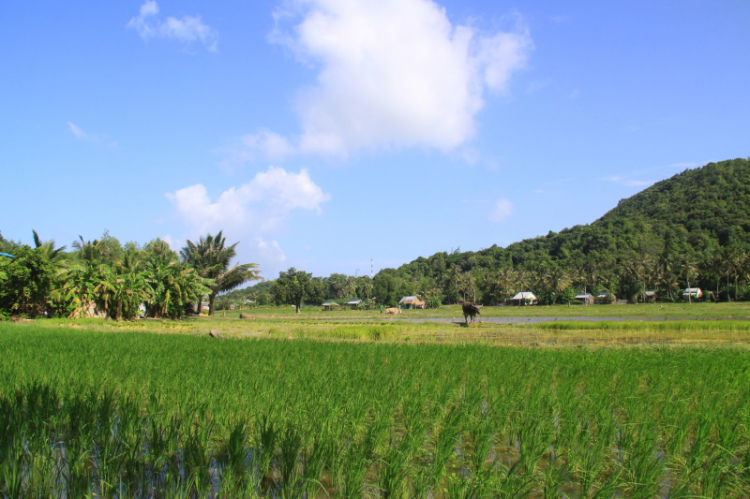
(323, 134)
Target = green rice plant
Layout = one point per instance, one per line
(232, 456)
(314, 463)
(393, 470)
(12, 473)
(480, 435)
(291, 446)
(588, 459)
(643, 467)
(265, 450)
(554, 476)
(445, 437)
(42, 473)
(197, 457)
(354, 467)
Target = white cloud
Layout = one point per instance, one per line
(252, 214)
(78, 133)
(269, 251)
(502, 210)
(391, 73)
(262, 145)
(187, 29)
(259, 206)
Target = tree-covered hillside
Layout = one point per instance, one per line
(694, 226)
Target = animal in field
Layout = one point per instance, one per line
(392, 311)
(470, 310)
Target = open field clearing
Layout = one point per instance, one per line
(86, 412)
(699, 323)
(739, 310)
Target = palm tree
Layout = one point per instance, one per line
(211, 259)
(689, 269)
(48, 247)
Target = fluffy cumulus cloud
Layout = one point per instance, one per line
(390, 73)
(253, 213)
(502, 209)
(259, 206)
(187, 29)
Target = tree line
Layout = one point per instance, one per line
(692, 230)
(120, 281)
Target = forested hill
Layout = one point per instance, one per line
(693, 225)
(693, 212)
(712, 202)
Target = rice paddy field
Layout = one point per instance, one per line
(310, 407)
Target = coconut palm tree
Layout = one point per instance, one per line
(211, 259)
(689, 269)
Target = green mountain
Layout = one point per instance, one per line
(691, 230)
(694, 226)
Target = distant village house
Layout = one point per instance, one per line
(585, 298)
(524, 298)
(354, 304)
(411, 302)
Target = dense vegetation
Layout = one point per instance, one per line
(692, 230)
(103, 277)
(138, 415)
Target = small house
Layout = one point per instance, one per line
(330, 305)
(692, 294)
(650, 297)
(411, 302)
(524, 298)
(354, 304)
(585, 298)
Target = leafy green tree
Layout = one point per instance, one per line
(364, 287)
(84, 289)
(211, 258)
(500, 285)
(386, 287)
(294, 287)
(174, 285)
(107, 250)
(28, 281)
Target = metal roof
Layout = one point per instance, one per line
(408, 299)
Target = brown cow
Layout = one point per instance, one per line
(392, 310)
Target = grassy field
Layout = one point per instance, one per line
(739, 310)
(670, 324)
(356, 404)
